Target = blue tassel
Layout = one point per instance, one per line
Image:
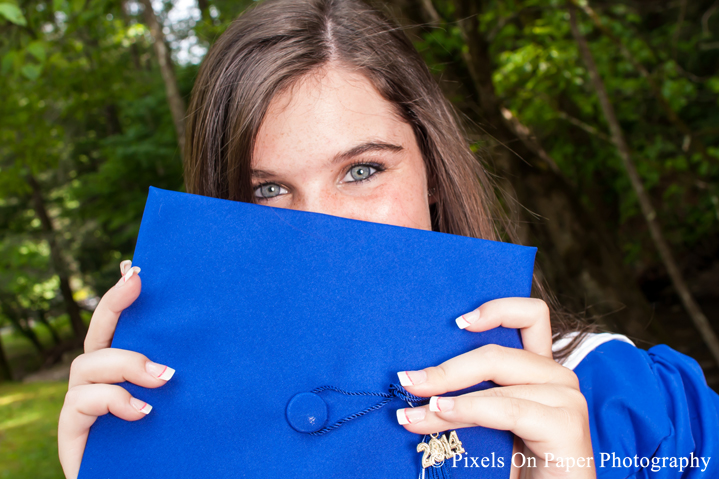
(395, 392)
(439, 472)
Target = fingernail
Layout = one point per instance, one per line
(466, 319)
(141, 406)
(410, 415)
(159, 371)
(411, 378)
(438, 404)
(126, 277)
(124, 266)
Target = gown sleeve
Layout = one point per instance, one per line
(651, 413)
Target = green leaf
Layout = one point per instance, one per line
(37, 49)
(31, 72)
(713, 84)
(12, 13)
(7, 62)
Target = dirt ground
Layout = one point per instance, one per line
(58, 372)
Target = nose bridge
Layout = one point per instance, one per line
(316, 198)
(319, 200)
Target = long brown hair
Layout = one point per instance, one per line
(273, 45)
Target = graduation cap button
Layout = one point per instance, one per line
(306, 412)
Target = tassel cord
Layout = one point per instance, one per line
(396, 391)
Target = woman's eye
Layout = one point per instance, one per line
(269, 190)
(359, 173)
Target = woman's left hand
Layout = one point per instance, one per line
(538, 400)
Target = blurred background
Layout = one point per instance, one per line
(599, 120)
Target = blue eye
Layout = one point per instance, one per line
(359, 173)
(269, 190)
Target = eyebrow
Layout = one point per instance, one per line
(368, 147)
(365, 148)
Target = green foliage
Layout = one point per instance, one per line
(12, 13)
(539, 76)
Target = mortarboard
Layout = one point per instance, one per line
(283, 324)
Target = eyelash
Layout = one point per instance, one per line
(380, 167)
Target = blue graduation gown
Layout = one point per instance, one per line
(651, 413)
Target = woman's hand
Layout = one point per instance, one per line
(91, 390)
(539, 400)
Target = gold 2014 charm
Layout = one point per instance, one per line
(440, 449)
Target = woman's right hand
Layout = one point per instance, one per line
(92, 391)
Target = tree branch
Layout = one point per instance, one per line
(705, 19)
(177, 104)
(584, 126)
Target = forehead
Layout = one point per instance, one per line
(327, 111)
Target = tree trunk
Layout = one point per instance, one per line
(15, 317)
(650, 215)
(114, 127)
(58, 262)
(5, 371)
(579, 259)
(42, 317)
(29, 333)
(204, 6)
(177, 104)
(133, 46)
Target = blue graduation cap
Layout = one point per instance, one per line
(287, 330)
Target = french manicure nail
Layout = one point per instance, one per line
(124, 266)
(159, 371)
(132, 271)
(141, 406)
(410, 415)
(466, 319)
(439, 404)
(411, 378)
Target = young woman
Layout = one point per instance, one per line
(325, 106)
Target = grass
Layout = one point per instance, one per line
(29, 412)
(28, 430)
